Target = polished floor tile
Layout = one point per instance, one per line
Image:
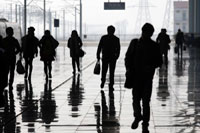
(76, 104)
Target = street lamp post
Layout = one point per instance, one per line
(44, 14)
(25, 17)
(80, 19)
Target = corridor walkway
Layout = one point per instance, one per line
(67, 104)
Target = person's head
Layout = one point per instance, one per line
(47, 33)
(163, 30)
(147, 30)
(179, 30)
(31, 30)
(74, 34)
(111, 30)
(9, 31)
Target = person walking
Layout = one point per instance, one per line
(3, 74)
(75, 44)
(29, 50)
(179, 42)
(109, 47)
(163, 40)
(47, 52)
(141, 59)
(11, 46)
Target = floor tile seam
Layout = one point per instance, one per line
(87, 111)
(173, 92)
(68, 80)
(29, 107)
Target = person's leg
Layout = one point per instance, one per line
(12, 71)
(166, 57)
(112, 66)
(30, 62)
(103, 73)
(136, 97)
(178, 52)
(50, 68)
(74, 65)
(146, 98)
(45, 69)
(78, 63)
(26, 67)
(181, 46)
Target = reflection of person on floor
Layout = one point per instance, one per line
(97, 109)
(9, 114)
(12, 48)
(29, 104)
(47, 104)
(108, 113)
(179, 42)
(163, 40)
(76, 95)
(109, 46)
(29, 50)
(47, 52)
(74, 44)
(143, 57)
(163, 92)
(3, 73)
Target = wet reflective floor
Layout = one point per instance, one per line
(76, 104)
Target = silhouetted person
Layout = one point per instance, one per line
(3, 73)
(75, 44)
(163, 40)
(179, 42)
(29, 50)
(109, 46)
(142, 58)
(12, 48)
(47, 52)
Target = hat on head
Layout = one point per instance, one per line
(31, 29)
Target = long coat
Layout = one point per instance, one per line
(47, 48)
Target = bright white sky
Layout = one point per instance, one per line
(96, 19)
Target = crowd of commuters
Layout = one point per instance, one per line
(142, 57)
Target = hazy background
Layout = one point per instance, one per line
(95, 18)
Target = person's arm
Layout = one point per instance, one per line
(18, 48)
(80, 42)
(36, 47)
(41, 41)
(118, 49)
(99, 48)
(169, 40)
(68, 43)
(55, 42)
(130, 53)
(158, 38)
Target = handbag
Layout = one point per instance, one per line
(20, 68)
(129, 80)
(81, 53)
(97, 68)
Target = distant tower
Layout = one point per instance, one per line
(143, 15)
(167, 15)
